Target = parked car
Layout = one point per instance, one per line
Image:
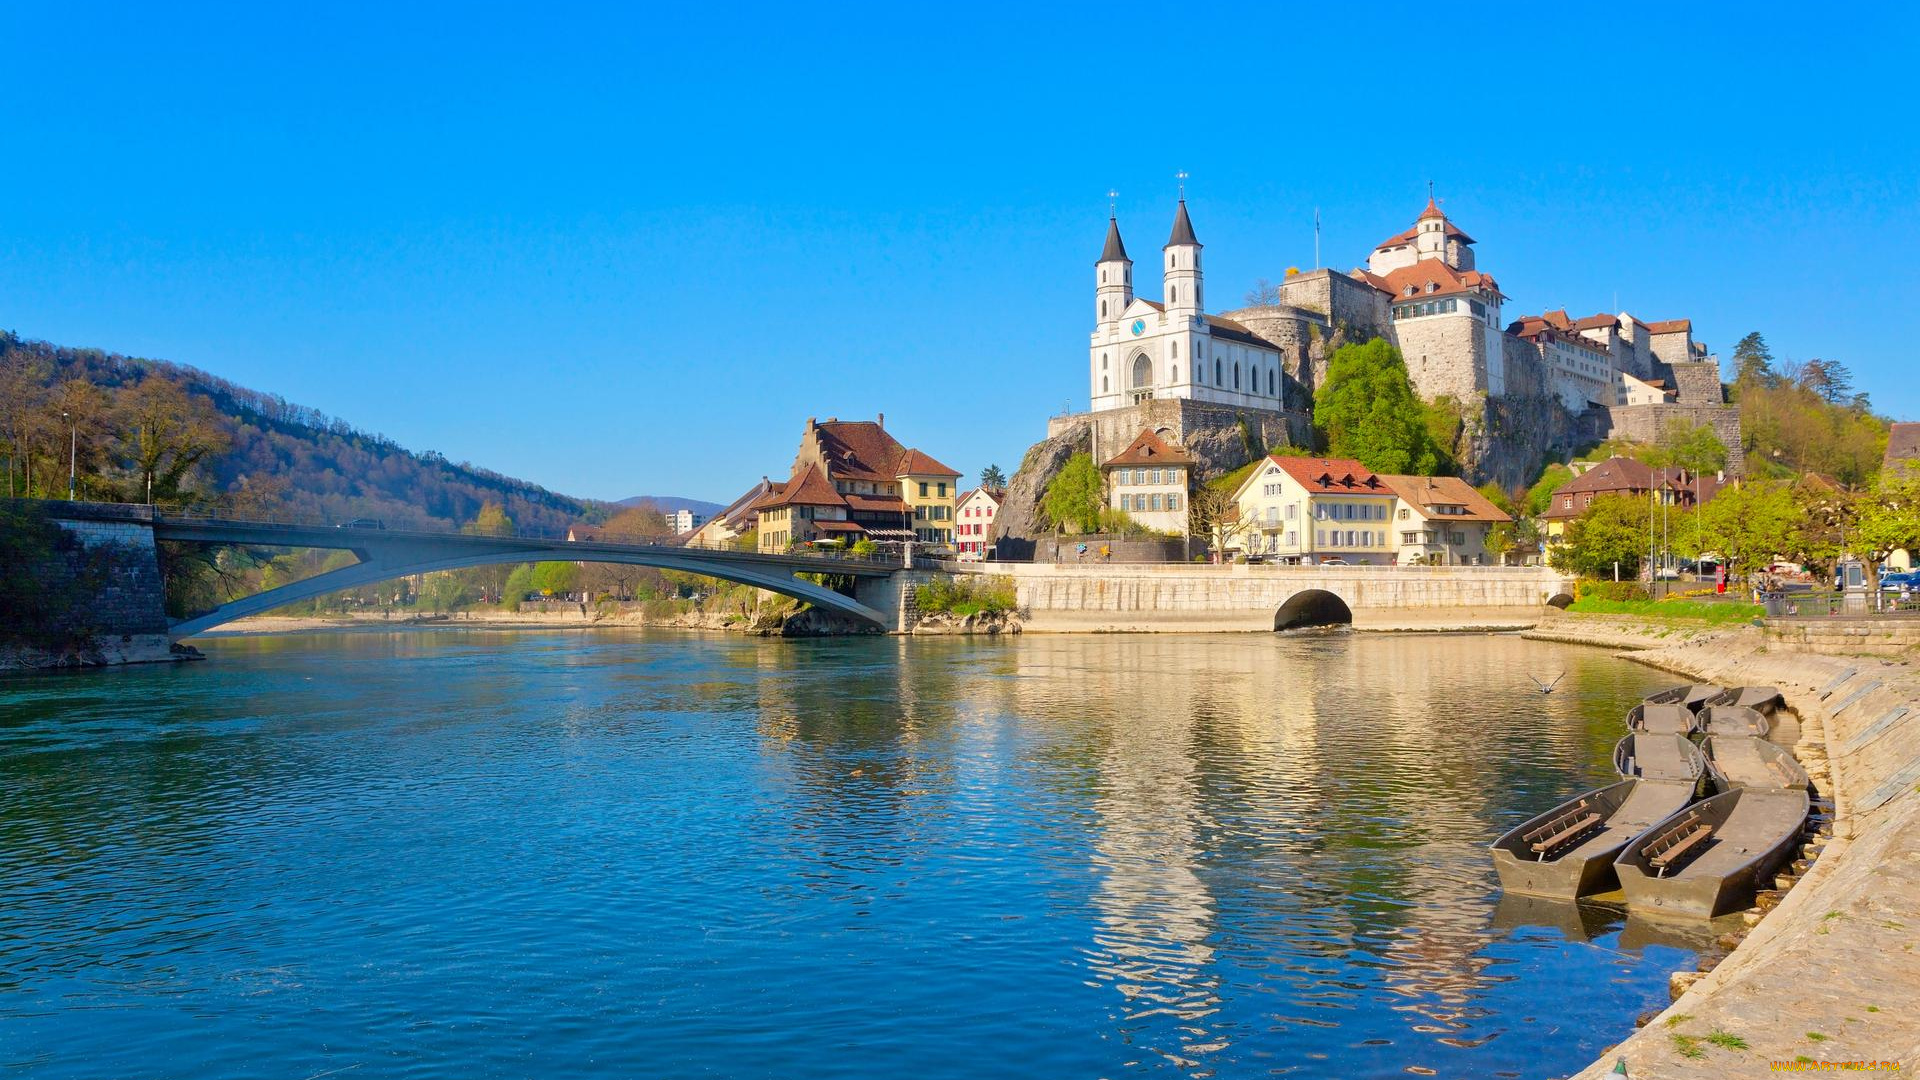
(1908, 578)
(362, 523)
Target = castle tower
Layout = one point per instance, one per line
(1182, 282)
(1113, 289)
(1430, 232)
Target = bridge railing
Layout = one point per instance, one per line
(1092, 564)
(291, 525)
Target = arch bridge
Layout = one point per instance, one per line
(388, 554)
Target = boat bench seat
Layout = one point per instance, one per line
(1578, 819)
(1661, 853)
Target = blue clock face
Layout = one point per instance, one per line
(1139, 327)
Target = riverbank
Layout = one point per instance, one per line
(1829, 972)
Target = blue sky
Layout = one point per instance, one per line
(619, 250)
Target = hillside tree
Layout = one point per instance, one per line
(1612, 531)
(1074, 499)
(1368, 411)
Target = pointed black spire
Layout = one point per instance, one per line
(1115, 251)
(1182, 228)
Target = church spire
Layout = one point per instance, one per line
(1182, 228)
(1115, 251)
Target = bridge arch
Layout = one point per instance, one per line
(1314, 607)
(385, 566)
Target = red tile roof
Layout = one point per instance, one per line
(916, 463)
(1432, 211)
(1670, 326)
(1596, 322)
(1430, 277)
(1229, 330)
(1619, 475)
(808, 487)
(1331, 476)
(1148, 448)
(1427, 492)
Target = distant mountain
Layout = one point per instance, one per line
(667, 504)
(273, 458)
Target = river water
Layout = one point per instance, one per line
(464, 854)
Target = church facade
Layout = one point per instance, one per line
(1143, 350)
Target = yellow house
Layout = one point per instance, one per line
(1316, 510)
(853, 481)
(932, 490)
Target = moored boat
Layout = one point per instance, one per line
(1663, 719)
(1707, 858)
(1765, 699)
(1568, 852)
(1735, 720)
(1646, 756)
(1752, 762)
(1692, 695)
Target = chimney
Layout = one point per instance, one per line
(881, 421)
(812, 423)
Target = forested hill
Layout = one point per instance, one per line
(205, 443)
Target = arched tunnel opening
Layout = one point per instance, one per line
(1315, 607)
(1561, 601)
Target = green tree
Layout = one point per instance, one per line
(1500, 541)
(1887, 519)
(993, 479)
(556, 578)
(1612, 530)
(1075, 497)
(1749, 524)
(1368, 411)
(1539, 498)
(1753, 362)
(1829, 379)
(492, 520)
(519, 584)
(445, 592)
(1693, 447)
(1498, 496)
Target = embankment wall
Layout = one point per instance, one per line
(1831, 974)
(1199, 598)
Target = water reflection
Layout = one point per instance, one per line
(1088, 855)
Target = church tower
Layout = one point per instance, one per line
(1183, 288)
(1114, 288)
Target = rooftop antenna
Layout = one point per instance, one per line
(1316, 238)
(1181, 176)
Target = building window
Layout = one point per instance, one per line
(1236, 374)
(1175, 377)
(1173, 501)
(923, 489)
(1293, 511)
(1103, 304)
(1566, 502)
(1272, 383)
(1216, 371)
(1153, 502)
(1176, 350)
(1103, 384)
(943, 489)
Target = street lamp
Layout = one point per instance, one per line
(73, 454)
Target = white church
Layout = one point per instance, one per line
(1142, 350)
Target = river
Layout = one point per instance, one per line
(626, 853)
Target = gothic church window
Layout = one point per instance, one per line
(1216, 372)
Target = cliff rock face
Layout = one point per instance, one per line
(1514, 435)
(1019, 521)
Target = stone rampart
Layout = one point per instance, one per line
(1644, 423)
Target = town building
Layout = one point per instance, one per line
(973, 515)
(853, 481)
(1315, 510)
(738, 519)
(1676, 488)
(684, 521)
(1148, 482)
(1442, 521)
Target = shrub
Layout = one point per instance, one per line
(1609, 590)
(969, 595)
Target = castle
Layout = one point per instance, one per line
(1540, 384)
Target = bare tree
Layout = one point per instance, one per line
(1263, 294)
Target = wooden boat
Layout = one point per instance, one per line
(1645, 756)
(1692, 695)
(1734, 720)
(1568, 852)
(1764, 699)
(1752, 762)
(1706, 859)
(1663, 719)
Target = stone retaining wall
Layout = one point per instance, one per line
(1878, 636)
(1831, 973)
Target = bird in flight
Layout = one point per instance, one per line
(1547, 687)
